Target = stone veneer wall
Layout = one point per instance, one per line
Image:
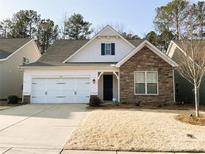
(146, 60)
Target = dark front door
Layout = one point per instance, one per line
(107, 87)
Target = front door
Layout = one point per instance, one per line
(107, 87)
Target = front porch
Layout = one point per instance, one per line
(108, 86)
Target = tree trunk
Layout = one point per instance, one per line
(30, 26)
(177, 29)
(177, 23)
(196, 99)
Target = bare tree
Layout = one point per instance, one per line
(5, 28)
(119, 27)
(192, 58)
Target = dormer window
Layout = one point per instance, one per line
(108, 49)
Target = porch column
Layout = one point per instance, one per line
(118, 86)
(100, 74)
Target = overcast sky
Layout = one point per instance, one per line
(132, 15)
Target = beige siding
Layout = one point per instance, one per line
(1, 80)
(11, 77)
(100, 88)
(122, 48)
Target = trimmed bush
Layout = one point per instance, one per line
(137, 103)
(124, 101)
(95, 101)
(13, 99)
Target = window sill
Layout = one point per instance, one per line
(107, 55)
(146, 94)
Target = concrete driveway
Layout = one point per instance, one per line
(38, 128)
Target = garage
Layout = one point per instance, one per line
(65, 90)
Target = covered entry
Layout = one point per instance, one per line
(108, 86)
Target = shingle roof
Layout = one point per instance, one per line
(8, 46)
(136, 42)
(62, 49)
(67, 64)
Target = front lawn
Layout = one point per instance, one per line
(137, 130)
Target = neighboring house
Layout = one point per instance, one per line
(15, 52)
(184, 90)
(107, 65)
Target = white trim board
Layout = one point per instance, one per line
(173, 46)
(169, 48)
(152, 48)
(91, 40)
(36, 48)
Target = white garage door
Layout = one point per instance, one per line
(67, 90)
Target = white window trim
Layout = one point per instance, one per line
(146, 82)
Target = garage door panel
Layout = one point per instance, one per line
(38, 99)
(38, 91)
(69, 93)
(83, 92)
(69, 90)
(82, 82)
(54, 92)
(82, 99)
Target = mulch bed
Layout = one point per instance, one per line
(191, 119)
(133, 106)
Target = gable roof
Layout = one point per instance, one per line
(57, 52)
(9, 46)
(151, 47)
(108, 27)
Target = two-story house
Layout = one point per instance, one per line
(13, 53)
(107, 65)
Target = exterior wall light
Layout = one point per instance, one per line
(93, 81)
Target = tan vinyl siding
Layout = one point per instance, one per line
(11, 77)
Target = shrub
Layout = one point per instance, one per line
(124, 101)
(95, 101)
(13, 99)
(137, 103)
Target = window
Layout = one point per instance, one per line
(146, 82)
(25, 61)
(108, 49)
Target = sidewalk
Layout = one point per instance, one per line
(119, 152)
